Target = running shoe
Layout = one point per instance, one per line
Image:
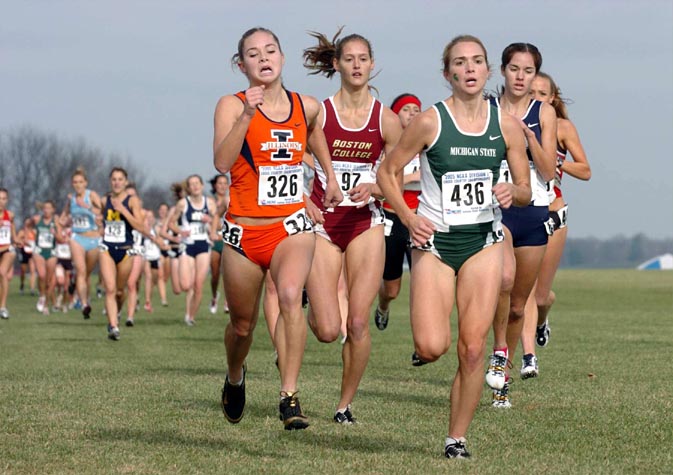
(345, 417)
(189, 321)
(495, 373)
(130, 322)
(455, 449)
(416, 360)
(529, 366)
(86, 311)
(4, 313)
(113, 333)
(99, 292)
(381, 318)
(501, 397)
(290, 412)
(41, 304)
(148, 307)
(542, 334)
(233, 399)
(213, 303)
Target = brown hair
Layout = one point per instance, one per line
(320, 58)
(446, 55)
(213, 181)
(177, 188)
(238, 56)
(121, 170)
(558, 103)
(79, 171)
(514, 48)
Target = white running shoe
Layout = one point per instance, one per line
(41, 304)
(495, 374)
(529, 367)
(213, 303)
(501, 397)
(189, 321)
(4, 313)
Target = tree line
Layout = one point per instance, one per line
(618, 252)
(36, 166)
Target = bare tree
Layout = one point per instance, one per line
(36, 166)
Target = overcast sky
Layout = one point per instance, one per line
(141, 78)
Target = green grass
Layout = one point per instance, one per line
(73, 402)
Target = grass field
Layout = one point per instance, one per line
(71, 401)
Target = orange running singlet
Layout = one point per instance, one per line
(267, 178)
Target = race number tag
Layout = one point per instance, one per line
(298, 223)
(387, 227)
(45, 240)
(563, 217)
(280, 185)
(80, 221)
(5, 235)
(29, 246)
(506, 175)
(115, 231)
(349, 175)
(232, 234)
(198, 231)
(62, 251)
(466, 197)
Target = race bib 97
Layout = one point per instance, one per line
(349, 175)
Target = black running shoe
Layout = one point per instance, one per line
(233, 400)
(381, 318)
(86, 311)
(345, 417)
(456, 450)
(542, 334)
(290, 412)
(417, 361)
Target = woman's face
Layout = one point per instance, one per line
(47, 210)
(468, 68)
(519, 74)
(195, 186)
(408, 112)
(4, 199)
(355, 64)
(117, 182)
(541, 90)
(221, 186)
(79, 184)
(262, 60)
